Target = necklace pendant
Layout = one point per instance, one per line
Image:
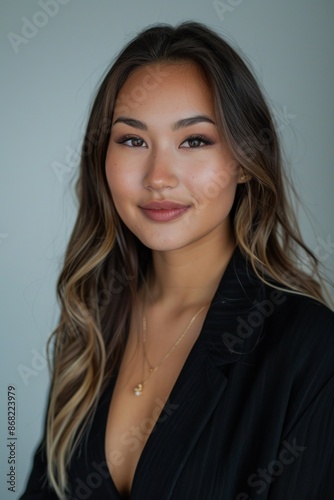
(138, 390)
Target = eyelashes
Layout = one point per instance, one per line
(193, 141)
(135, 141)
(198, 141)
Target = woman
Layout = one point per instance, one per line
(194, 358)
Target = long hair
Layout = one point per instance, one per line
(105, 263)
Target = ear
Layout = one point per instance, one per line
(243, 178)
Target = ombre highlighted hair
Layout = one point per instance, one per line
(105, 263)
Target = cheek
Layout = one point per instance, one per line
(118, 179)
(214, 187)
(123, 188)
(110, 168)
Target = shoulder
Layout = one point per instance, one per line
(299, 317)
(267, 322)
(299, 344)
(299, 335)
(288, 311)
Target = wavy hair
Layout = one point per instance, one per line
(105, 263)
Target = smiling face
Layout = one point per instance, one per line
(171, 176)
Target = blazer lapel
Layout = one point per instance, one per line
(201, 382)
(191, 403)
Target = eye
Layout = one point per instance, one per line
(196, 141)
(131, 141)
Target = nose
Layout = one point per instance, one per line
(161, 172)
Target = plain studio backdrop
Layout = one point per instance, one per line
(53, 55)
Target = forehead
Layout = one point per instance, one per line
(165, 89)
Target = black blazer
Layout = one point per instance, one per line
(251, 416)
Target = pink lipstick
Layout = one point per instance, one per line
(163, 211)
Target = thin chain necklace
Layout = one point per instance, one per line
(138, 390)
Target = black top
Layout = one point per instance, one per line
(250, 417)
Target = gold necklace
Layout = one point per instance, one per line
(138, 390)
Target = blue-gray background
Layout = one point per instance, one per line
(51, 61)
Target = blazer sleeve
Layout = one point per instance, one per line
(37, 487)
(303, 469)
(304, 466)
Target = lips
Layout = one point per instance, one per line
(164, 210)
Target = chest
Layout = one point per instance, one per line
(223, 417)
(131, 419)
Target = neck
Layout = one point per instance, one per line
(190, 275)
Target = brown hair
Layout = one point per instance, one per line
(105, 263)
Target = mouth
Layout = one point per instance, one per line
(163, 211)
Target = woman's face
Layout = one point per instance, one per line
(171, 176)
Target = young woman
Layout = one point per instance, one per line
(194, 358)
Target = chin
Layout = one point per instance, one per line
(159, 245)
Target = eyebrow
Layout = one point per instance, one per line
(184, 122)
